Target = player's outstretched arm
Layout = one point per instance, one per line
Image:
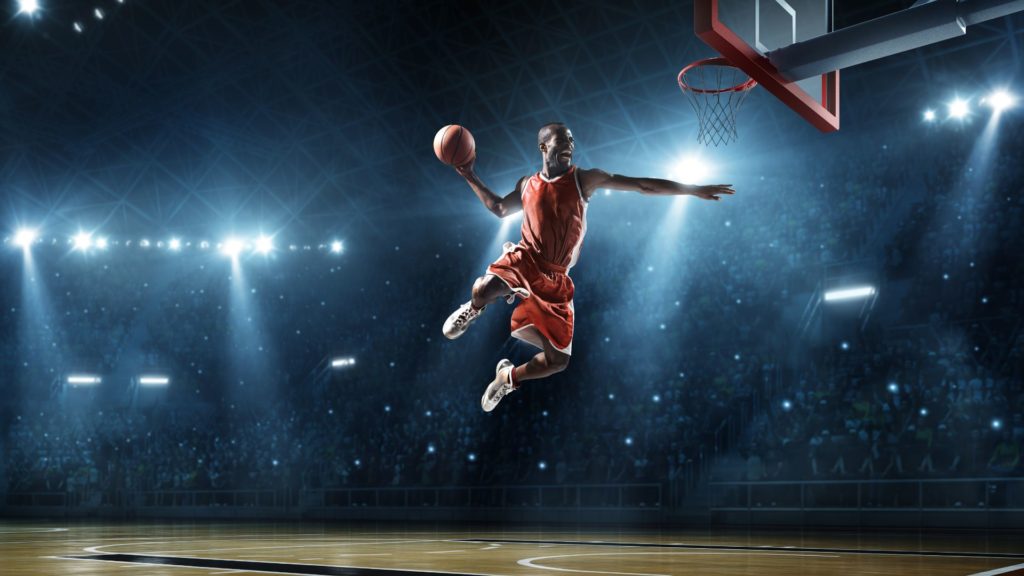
(499, 206)
(594, 179)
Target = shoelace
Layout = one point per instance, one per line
(502, 391)
(465, 315)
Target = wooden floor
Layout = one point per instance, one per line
(251, 548)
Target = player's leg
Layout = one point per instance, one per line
(508, 377)
(486, 290)
(542, 365)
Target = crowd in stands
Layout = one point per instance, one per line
(941, 392)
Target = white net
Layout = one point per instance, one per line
(716, 91)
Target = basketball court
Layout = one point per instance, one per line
(254, 548)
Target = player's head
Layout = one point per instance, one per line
(556, 146)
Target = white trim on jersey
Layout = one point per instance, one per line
(579, 243)
(579, 187)
(556, 178)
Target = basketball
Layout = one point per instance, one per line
(454, 145)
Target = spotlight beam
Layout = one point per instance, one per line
(1000, 100)
(232, 247)
(958, 109)
(28, 7)
(82, 241)
(24, 237)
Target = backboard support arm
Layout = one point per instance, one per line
(914, 27)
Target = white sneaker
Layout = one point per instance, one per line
(459, 321)
(499, 387)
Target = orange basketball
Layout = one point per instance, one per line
(454, 145)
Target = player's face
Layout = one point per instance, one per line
(558, 149)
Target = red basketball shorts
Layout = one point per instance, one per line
(546, 290)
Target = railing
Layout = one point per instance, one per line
(568, 496)
(590, 496)
(968, 494)
(37, 499)
(213, 498)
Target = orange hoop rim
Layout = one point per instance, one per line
(717, 61)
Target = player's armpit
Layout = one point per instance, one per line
(512, 202)
(593, 179)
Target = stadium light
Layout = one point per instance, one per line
(929, 115)
(958, 109)
(154, 380)
(174, 244)
(849, 293)
(28, 7)
(264, 244)
(343, 362)
(24, 237)
(691, 169)
(999, 100)
(98, 13)
(82, 241)
(83, 379)
(78, 27)
(231, 247)
(337, 247)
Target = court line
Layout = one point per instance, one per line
(530, 562)
(1015, 569)
(173, 538)
(264, 566)
(285, 546)
(445, 551)
(96, 549)
(871, 552)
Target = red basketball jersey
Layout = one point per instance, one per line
(554, 218)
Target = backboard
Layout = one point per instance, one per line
(745, 31)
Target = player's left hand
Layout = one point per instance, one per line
(466, 170)
(712, 191)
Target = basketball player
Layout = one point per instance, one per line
(554, 204)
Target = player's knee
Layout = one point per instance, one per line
(480, 287)
(558, 361)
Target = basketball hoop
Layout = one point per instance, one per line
(715, 89)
